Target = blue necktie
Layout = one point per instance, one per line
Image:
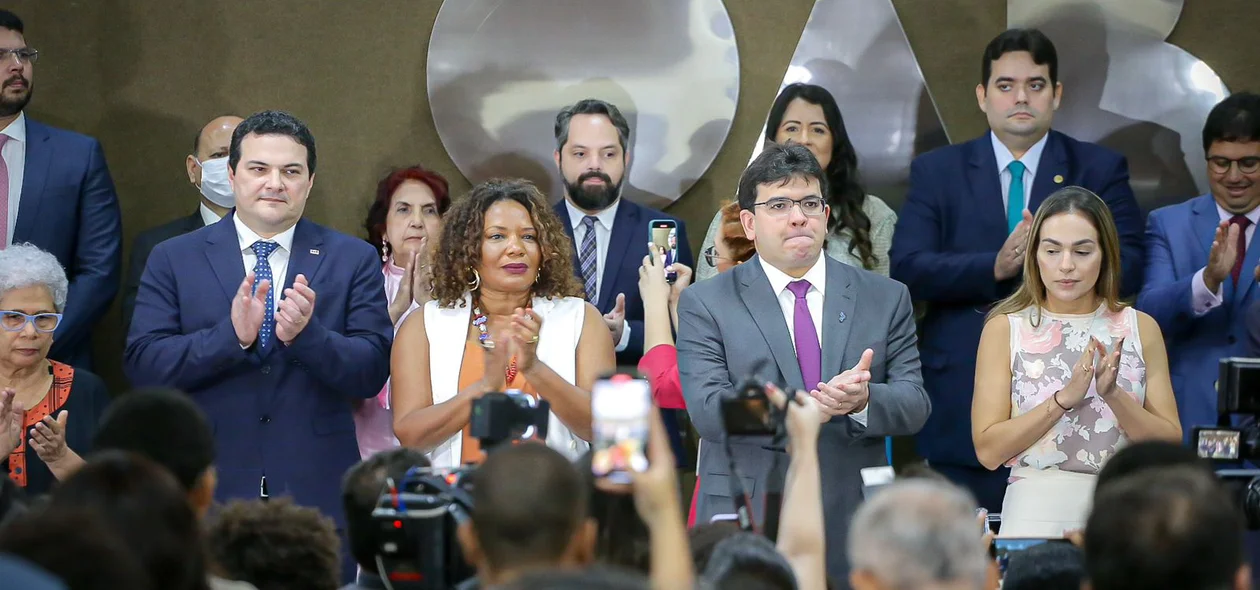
(262, 272)
(587, 256)
(1015, 196)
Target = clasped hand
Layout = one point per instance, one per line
(291, 316)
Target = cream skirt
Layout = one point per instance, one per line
(1046, 503)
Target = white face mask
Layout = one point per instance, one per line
(214, 182)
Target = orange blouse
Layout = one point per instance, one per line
(63, 377)
(470, 372)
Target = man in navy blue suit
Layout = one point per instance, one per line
(56, 193)
(1202, 258)
(609, 233)
(274, 367)
(960, 237)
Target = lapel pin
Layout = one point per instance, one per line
(843, 317)
(314, 252)
(1058, 179)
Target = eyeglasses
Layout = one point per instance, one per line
(15, 321)
(25, 55)
(711, 256)
(781, 206)
(1221, 164)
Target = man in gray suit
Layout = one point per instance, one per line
(864, 370)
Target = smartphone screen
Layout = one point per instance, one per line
(620, 409)
(664, 235)
(1009, 546)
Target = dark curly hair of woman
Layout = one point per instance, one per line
(458, 251)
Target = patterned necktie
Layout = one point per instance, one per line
(4, 195)
(262, 272)
(1242, 222)
(1015, 196)
(587, 255)
(808, 349)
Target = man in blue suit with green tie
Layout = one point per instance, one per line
(960, 237)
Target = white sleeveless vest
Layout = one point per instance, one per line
(447, 329)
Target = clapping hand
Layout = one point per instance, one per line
(248, 309)
(848, 392)
(11, 414)
(616, 319)
(295, 310)
(1010, 259)
(406, 287)
(526, 326)
(1082, 375)
(1107, 369)
(48, 438)
(1222, 255)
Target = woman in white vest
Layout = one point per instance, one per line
(507, 313)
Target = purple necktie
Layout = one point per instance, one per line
(808, 350)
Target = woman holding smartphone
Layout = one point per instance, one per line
(1067, 373)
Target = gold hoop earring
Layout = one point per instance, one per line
(476, 282)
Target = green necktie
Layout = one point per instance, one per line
(1015, 196)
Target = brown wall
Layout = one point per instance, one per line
(143, 76)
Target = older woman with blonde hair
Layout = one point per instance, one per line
(48, 411)
(1067, 374)
(507, 313)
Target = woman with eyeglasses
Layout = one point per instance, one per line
(48, 411)
(860, 228)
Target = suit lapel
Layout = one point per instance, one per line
(625, 224)
(34, 176)
(982, 176)
(223, 251)
(563, 213)
(838, 304)
(1204, 221)
(763, 305)
(307, 254)
(1054, 164)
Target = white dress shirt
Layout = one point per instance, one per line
(603, 235)
(817, 277)
(209, 217)
(279, 258)
(1030, 160)
(1202, 300)
(14, 153)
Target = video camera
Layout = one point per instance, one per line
(1231, 443)
(417, 518)
(746, 414)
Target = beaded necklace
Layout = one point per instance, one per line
(483, 337)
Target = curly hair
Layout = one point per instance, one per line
(276, 545)
(458, 251)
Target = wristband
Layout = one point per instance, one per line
(1055, 397)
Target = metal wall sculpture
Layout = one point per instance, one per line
(858, 51)
(499, 71)
(1127, 89)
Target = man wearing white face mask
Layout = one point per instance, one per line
(208, 171)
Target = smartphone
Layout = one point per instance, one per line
(663, 233)
(620, 409)
(1005, 547)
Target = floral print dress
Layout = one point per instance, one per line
(1042, 357)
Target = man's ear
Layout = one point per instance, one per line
(468, 543)
(201, 496)
(582, 546)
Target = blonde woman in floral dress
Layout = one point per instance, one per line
(1066, 373)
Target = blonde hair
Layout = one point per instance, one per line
(1032, 291)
